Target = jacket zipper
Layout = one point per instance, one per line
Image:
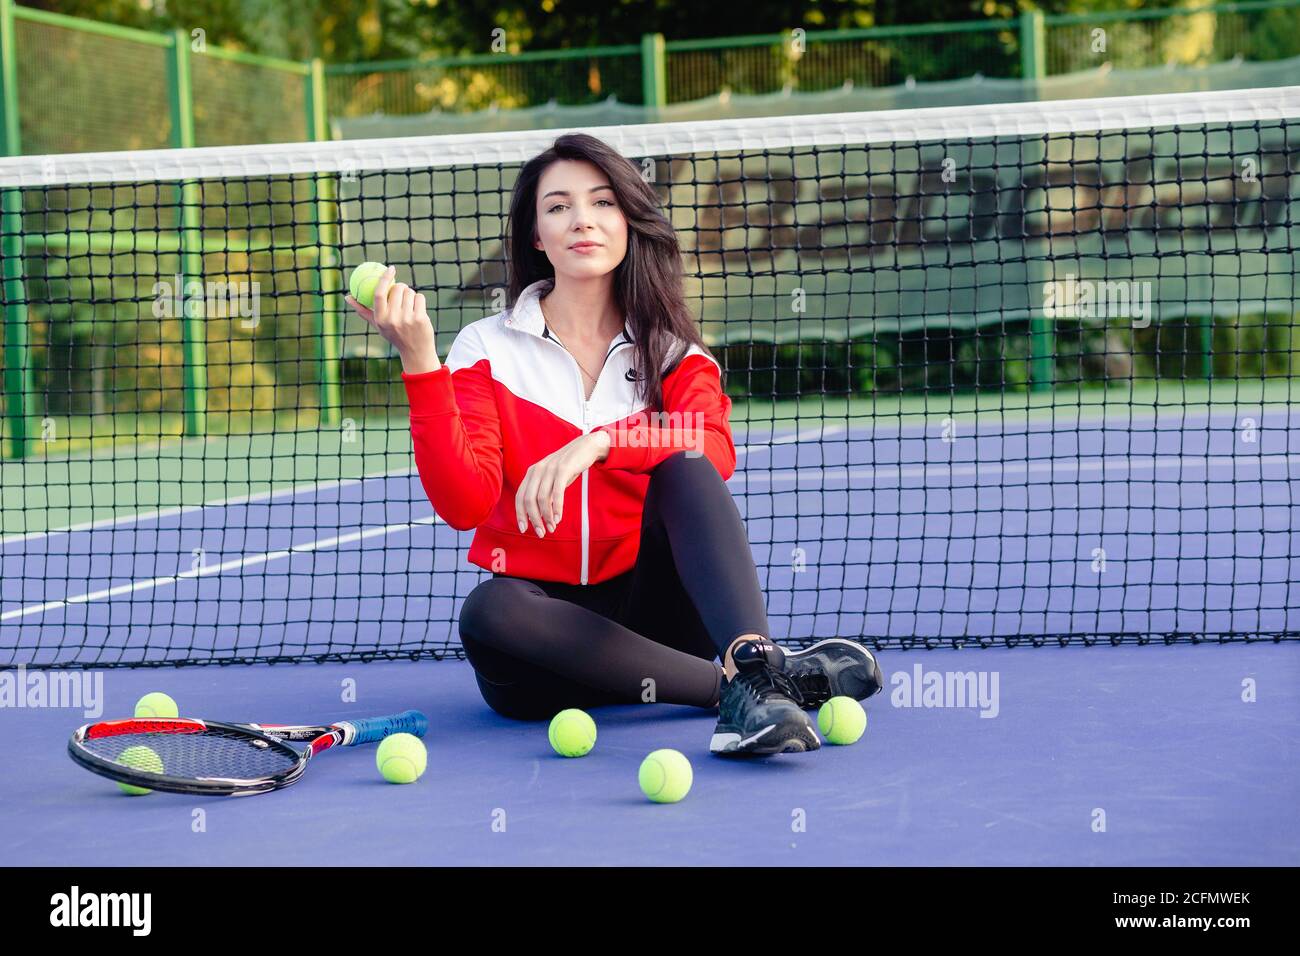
(586, 529)
(586, 429)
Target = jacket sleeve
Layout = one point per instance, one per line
(456, 432)
(697, 420)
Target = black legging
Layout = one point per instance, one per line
(649, 635)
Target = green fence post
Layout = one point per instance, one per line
(11, 131)
(654, 80)
(1207, 344)
(1042, 351)
(20, 394)
(1042, 331)
(329, 279)
(1039, 271)
(1200, 288)
(19, 383)
(189, 199)
(1033, 46)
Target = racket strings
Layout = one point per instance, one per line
(210, 753)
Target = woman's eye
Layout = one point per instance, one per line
(599, 202)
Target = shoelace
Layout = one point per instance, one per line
(813, 685)
(767, 680)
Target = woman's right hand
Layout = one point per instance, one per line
(399, 316)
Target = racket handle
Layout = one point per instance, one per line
(369, 729)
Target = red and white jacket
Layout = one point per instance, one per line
(508, 395)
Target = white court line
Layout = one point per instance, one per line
(775, 476)
(929, 424)
(1110, 465)
(237, 564)
(813, 434)
(144, 516)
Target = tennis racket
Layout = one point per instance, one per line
(188, 755)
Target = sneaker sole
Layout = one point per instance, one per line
(764, 742)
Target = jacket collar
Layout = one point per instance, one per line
(526, 314)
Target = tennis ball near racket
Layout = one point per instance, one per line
(572, 733)
(156, 704)
(842, 720)
(139, 758)
(361, 284)
(401, 758)
(665, 776)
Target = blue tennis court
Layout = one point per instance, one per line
(1181, 753)
(1116, 756)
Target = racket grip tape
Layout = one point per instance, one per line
(370, 729)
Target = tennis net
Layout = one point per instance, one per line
(1017, 374)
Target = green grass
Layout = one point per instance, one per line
(116, 479)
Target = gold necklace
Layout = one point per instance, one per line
(584, 370)
(566, 348)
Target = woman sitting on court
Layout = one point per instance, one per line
(584, 433)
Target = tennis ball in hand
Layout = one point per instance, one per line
(842, 720)
(361, 284)
(401, 758)
(156, 704)
(572, 733)
(139, 758)
(665, 776)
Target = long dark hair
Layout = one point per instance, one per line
(647, 283)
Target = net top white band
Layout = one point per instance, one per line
(761, 133)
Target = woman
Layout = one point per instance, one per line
(584, 433)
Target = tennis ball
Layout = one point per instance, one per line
(842, 720)
(401, 758)
(362, 282)
(139, 758)
(665, 776)
(156, 704)
(572, 733)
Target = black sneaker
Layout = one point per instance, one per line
(833, 668)
(761, 708)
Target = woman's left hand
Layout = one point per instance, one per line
(540, 499)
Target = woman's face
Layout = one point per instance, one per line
(580, 226)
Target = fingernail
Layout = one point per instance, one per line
(521, 527)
